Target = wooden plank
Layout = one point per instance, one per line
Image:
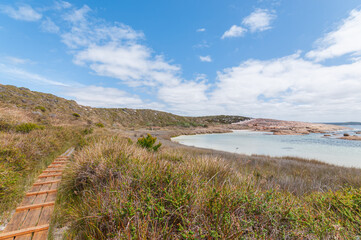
(41, 192)
(24, 231)
(18, 217)
(52, 171)
(56, 167)
(50, 175)
(33, 214)
(42, 235)
(34, 206)
(47, 182)
(59, 162)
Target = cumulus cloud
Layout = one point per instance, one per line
(103, 97)
(205, 58)
(49, 26)
(345, 39)
(259, 20)
(234, 31)
(188, 98)
(289, 84)
(201, 30)
(114, 51)
(23, 12)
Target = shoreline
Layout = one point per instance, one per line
(164, 136)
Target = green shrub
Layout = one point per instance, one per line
(27, 127)
(76, 115)
(148, 143)
(41, 108)
(99, 124)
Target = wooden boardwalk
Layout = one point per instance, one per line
(31, 219)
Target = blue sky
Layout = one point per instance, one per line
(293, 60)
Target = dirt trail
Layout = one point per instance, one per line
(32, 217)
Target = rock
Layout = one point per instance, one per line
(327, 135)
(355, 138)
(37, 113)
(346, 134)
(358, 132)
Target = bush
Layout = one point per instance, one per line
(41, 108)
(148, 143)
(76, 115)
(99, 124)
(27, 127)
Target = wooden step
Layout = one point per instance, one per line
(50, 175)
(48, 182)
(23, 231)
(40, 205)
(50, 171)
(56, 166)
(41, 192)
(58, 162)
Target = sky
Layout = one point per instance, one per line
(290, 60)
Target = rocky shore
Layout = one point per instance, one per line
(354, 137)
(279, 127)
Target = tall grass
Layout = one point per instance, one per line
(117, 190)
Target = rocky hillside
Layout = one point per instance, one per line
(47, 108)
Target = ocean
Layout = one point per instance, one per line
(313, 146)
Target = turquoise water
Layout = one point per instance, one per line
(313, 146)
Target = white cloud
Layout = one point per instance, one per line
(59, 5)
(205, 58)
(290, 87)
(49, 26)
(103, 97)
(132, 64)
(23, 12)
(259, 20)
(21, 74)
(234, 31)
(346, 39)
(114, 51)
(185, 98)
(201, 30)
(16, 60)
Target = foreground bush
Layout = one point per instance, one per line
(148, 142)
(118, 191)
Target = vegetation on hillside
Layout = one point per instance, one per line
(52, 109)
(118, 190)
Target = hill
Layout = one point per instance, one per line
(48, 108)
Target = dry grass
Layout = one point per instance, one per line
(116, 190)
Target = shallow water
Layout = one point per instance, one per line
(313, 146)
